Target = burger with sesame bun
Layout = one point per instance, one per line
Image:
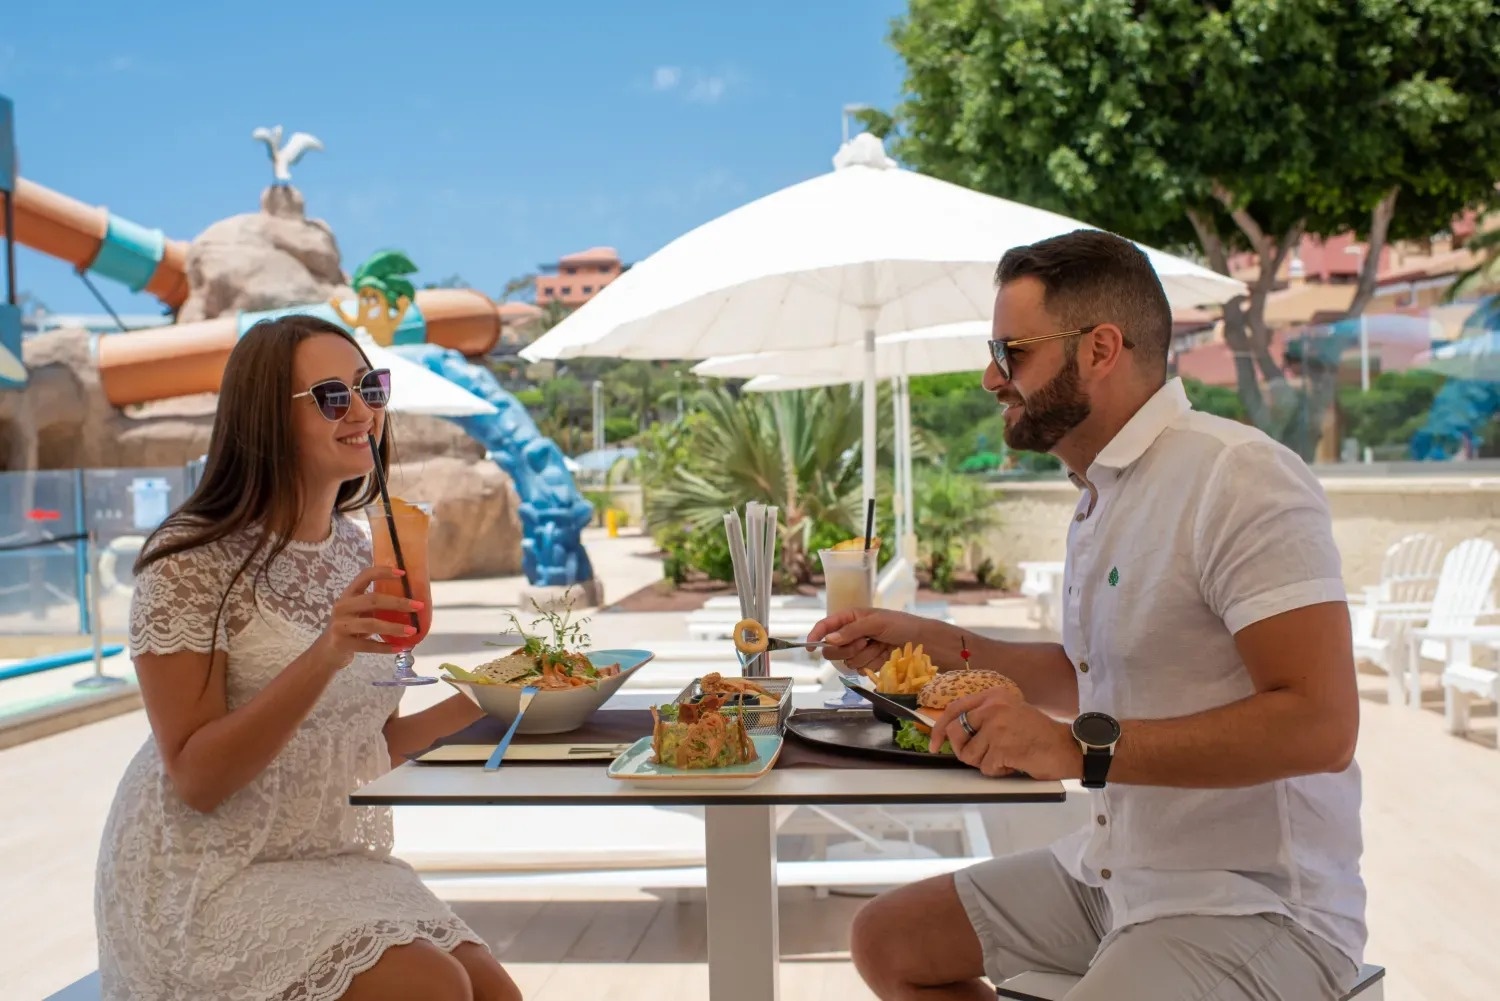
(937, 693)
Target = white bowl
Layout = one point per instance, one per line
(558, 710)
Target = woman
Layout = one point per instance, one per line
(232, 865)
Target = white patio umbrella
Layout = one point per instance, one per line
(950, 347)
(865, 250)
(417, 390)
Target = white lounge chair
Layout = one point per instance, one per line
(1383, 633)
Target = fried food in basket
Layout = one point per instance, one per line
(706, 734)
(740, 690)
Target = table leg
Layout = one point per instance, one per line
(744, 947)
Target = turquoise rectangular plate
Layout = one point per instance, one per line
(635, 765)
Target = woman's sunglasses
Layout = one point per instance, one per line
(334, 397)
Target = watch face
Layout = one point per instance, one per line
(1096, 729)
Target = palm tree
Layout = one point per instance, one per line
(798, 451)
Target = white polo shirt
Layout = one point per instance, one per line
(1191, 527)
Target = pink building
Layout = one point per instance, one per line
(577, 278)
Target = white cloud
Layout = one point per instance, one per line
(696, 86)
(707, 90)
(665, 77)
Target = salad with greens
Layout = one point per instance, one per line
(555, 663)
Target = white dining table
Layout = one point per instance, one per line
(739, 829)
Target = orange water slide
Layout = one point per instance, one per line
(185, 358)
(89, 237)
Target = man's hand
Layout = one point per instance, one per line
(1009, 737)
(864, 637)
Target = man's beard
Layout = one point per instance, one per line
(1050, 412)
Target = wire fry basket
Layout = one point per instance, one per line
(763, 719)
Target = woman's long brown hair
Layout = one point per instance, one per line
(249, 480)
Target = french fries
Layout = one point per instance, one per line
(905, 671)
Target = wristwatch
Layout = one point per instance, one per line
(1097, 734)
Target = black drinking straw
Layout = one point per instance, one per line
(869, 522)
(390, 518)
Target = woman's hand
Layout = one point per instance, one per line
(863, 638)
(352, 622)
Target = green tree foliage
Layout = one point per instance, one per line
(1229, 125)
(1219, 400)
(1394, 409)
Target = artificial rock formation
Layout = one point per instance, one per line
(262, 260)
(476, 518)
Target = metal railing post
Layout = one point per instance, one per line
(96, 620)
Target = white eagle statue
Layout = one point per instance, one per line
(282, 157)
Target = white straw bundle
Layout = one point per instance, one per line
(753, 556)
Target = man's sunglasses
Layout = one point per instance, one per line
(334, 397)
(1000, 350)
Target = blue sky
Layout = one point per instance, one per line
(481, 138)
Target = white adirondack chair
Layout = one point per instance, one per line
(1041, 581)
(1384, 634)
(1408, 573)
(1465, 677)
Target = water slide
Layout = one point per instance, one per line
(1461, 411)
(440, 329)
(188, 358)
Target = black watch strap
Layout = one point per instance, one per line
(1096, 762)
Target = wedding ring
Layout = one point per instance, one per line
(963, 721)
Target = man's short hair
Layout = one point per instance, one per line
(1089, 276)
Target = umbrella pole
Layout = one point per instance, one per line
(898, 468)
(909, 543)
(869, 423)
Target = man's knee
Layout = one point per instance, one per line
(917, 935)
(870, 933)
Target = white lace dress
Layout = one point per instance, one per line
(286, 891)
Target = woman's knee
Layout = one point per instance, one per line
(488, 978)
(417, 970)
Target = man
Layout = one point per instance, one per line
(1206, 642)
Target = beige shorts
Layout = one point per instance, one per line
(1029, 914)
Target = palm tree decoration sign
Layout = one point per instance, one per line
(384, 295)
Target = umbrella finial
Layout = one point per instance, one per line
(864, 150)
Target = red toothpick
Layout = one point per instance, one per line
(963, 651)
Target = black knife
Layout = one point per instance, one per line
(890, 705)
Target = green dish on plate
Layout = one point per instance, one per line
(635, 765)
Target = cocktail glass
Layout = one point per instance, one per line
(849, 582)
(407, 549)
